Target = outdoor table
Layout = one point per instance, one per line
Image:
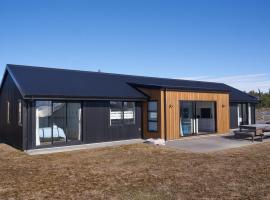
(257, 128)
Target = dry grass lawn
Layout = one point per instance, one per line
(136, 172)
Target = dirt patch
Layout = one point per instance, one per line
(137, 171)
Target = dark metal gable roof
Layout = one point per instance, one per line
(239, 96)
(51, 82)
(48, 82)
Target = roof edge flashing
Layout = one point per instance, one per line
(78, 98)
(178, 88)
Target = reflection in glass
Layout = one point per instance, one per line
(59, 122)
(43, 128)
(116, 113)
(73, 121)
(152, 116)
(187, 118)
(152, 105)
(129, 112)
(152, 126)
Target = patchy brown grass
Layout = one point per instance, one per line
(136, 172)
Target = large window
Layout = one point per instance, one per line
(152, 116)
(73, 121)
(122, 113)
(57, 122)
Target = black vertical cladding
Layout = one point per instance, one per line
(31, 125)
(253, 113)
(233, 115)
(11, 133)
(25, 126)
(96, 124)
(245, 114)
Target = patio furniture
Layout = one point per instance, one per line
(266, 117)
(258, 129)
(247, 133)
(266, 128)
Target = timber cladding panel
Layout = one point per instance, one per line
(172, 108)
(173, 99)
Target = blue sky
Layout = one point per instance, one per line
(216, 40)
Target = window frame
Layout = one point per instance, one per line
(64, 143)
(19, 110)
(203, 113)
(151, 120)
(130, 122)
(122, 121)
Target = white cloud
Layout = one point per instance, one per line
(245, 82)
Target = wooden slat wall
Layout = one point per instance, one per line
(172, 116)
(173, 110)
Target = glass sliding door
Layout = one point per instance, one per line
(240, 115)
(197, 117)
(43, 123)
(249, 114)
(73, 130)
(206, 117)
(243, 114)
(57, 122)
(187, 118)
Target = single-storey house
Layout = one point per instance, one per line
(46, 107)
